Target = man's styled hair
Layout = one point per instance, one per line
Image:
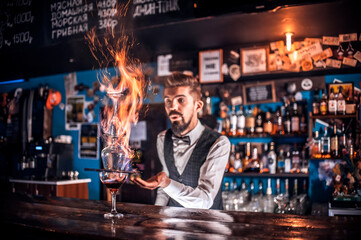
(178, 79)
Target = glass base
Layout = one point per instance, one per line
(113, 215)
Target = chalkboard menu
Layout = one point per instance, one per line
(44, 23)
(151, 12)
(259, 93)
(19, 24)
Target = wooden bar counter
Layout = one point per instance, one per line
(36, 217)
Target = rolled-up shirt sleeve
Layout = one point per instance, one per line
(210, 180)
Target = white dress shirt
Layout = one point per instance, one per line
(211, 172)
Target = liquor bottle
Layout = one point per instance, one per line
(259, 121)
(303, 124)
(241, 122)
(316, 103)
(350, 103)
(233, 122)
(341, 103)
(253, 165)
(281, 162)
(334, 143)
(272, 159)
(226, 125)
(287, 122)
(232, 157)
(268, 125)
(295, 119)
(323, 104)
(264, 159)
(295, 188)
(325, 143)
(343, 139)
(286, 195)
(332, 103)
(304, 161)
(316, 145)
(207, 104)
(278, 186)
(288, 162)
(268, 205)
(278, 126)
(250, 122)
(247, 157)
(295, 160)
(238, 163)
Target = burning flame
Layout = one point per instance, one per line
(126, 89)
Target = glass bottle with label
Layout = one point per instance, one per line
(268, 125)
(295, 119)
(233, 122)
(250, 122)
(241, 122)
(247, 156)
(332, 102)
(323, 104)
(278, 126)
(232, 157)
(287, 122)
(259, 122)
(208, 104)
(341, 103)
(350, 103)
(288, 162)
(316, 104)
(343, 139)
(281, 162)
(334, 142)
(272, 159)
(264, 159)
(325, 143)
(316, 145)
(295, 162)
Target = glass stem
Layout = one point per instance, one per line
(114, 202)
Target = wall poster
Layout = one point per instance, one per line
(88, 141)
(210, 66)
(74, 113)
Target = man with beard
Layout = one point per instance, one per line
(193, 156)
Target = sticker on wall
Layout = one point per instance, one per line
(88, 141)
(70, 81)
(306, 84)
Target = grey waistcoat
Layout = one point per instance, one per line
(190, 175)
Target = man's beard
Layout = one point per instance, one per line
(179, 126)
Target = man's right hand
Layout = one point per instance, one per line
(159, 180)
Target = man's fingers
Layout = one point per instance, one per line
(144, 184)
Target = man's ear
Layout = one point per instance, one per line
(199, 105)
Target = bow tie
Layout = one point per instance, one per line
(185, 139)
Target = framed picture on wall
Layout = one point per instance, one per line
(88, 141)
(74, 112)
(256, 93)
(254, 60)
(210, 66)
(345, 87)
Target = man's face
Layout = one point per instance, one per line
(181, 109)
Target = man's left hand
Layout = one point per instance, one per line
(159, 180)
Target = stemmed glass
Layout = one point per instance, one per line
(114, 158)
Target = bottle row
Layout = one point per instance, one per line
(332, 145)
(242, 120)
(248, 158)
(241, 199)
(338, 102)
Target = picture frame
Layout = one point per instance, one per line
(88, 144)
(346, 86)
(257, 93)
(254, 60)
(210, 66)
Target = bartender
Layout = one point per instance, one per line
(193, 156)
